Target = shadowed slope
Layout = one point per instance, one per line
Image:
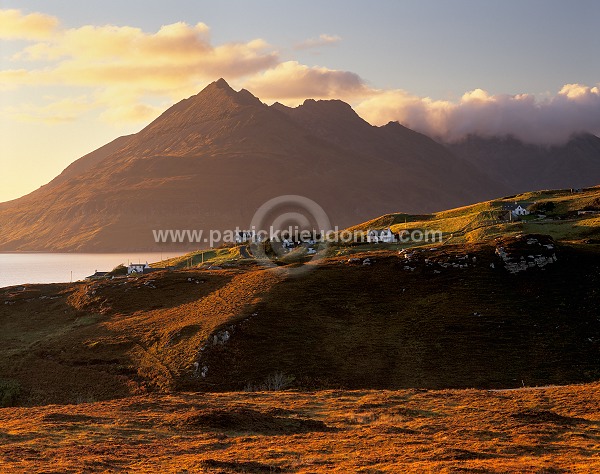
(392, 324)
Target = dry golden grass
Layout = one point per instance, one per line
(547, 430)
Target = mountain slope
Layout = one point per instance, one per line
(523, 167)
(211, 160)
(414, 153)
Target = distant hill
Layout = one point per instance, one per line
(211, 160)
(523, 167)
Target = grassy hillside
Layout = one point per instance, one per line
(494, 306)
(203, 257)
(104, 339)
(395, 324)
(485, 221)
(478, 223)
(440, 319)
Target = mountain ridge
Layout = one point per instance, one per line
(209, 161)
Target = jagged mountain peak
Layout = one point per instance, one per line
(394, 125)
(222, 93)
(214, 104)
(221, 84)
(320, 116)
(331, 109)
(221, 90)
(327, 104)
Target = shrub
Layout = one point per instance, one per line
(119, 270)
(544, 207)
(277, 381)
(274, 382)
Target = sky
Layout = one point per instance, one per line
(76, 75)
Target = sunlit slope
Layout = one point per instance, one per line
(487, 220)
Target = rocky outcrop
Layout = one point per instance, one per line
(525, 252)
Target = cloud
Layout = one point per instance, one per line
(12, 78)
(97, 43)
(58, 111)
(291, 82)
(322, 40)
(116, 61)
(176, 56)
(33, 26)
(574, 109)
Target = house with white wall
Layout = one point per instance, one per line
(381, 236)
(517, 209)
(137, 268)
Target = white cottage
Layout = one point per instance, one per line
(137, 268)
(288, 243)
(517, 209)
(384, 236)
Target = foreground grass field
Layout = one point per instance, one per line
(550, 430)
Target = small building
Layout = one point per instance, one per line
(383, 236)
(137, 268)
(98, 276)
(287, 243)
(517, 209)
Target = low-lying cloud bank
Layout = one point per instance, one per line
(552, 121)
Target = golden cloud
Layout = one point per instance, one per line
(579, 91)
(33, 26)
(178, 55)
(291, 82)
(118, 62)
(133, 112)
(58, 111)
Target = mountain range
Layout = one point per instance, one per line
(522, 167)
(211, 160)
